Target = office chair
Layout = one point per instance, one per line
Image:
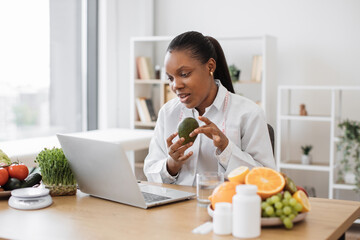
(272, 137)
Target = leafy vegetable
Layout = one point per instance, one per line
(4, 159)
(54, 167)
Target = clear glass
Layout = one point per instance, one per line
(205, 184)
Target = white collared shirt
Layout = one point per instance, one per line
(243, 122)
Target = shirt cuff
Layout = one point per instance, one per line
(165, 175)
(224, 156)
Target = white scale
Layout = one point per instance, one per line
(30, 198)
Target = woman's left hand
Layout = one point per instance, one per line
(213, 132)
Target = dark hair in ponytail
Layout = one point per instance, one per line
(203, 48)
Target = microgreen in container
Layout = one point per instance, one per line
(56, 172)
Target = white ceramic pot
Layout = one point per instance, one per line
(306, 159)
(349, 178)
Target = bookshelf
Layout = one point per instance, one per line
(238, 50)
(321, 121)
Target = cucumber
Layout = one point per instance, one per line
(31, 180)
(12, 183)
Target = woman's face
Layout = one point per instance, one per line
(191, 80)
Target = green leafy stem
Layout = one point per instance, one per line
(54, 167)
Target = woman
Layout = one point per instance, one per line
(232, 132)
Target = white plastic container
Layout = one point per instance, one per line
(246, 205)
(222, 218)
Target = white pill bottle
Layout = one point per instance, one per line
(246, 212)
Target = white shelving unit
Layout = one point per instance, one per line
(153, 47)
(285, 118)
(238, 50)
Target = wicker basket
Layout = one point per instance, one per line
(62, 190)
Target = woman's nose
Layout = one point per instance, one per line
(177, 83)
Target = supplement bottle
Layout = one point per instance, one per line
(246, 212)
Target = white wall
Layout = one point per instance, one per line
(119, 21)
(318, 40)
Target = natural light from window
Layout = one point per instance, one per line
(25, 68)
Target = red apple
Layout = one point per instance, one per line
(302, 189)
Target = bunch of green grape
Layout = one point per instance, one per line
(283, 206)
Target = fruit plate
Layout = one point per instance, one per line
(267, 221)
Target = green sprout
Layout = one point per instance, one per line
(54, 167)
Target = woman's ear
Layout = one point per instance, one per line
(211, 64)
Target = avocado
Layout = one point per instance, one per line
(186, 127)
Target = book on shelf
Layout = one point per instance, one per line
(168, 93)
(151, 109)
(144, 67)
(257, 68)
(142, 109)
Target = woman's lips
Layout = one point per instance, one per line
(184, 97)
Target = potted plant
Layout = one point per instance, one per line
(306, 157)
(349, 148)
(56, 172)
(234, 73)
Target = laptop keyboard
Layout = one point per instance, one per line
(150, 197)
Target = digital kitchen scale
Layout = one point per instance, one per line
(30, 198)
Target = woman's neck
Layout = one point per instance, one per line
(209, 100)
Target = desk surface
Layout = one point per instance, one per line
(86, 217)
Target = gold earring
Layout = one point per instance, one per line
(211, 73)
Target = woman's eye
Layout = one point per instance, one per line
(170, 78)
(184, 74)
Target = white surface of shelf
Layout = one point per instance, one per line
(145, 124)
(321, 168)
(306, 118)
(247, 82)
(150, 81)
(344, 186)
(317, 87)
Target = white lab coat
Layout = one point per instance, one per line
(241, 119)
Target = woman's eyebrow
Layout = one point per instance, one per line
(182, 68)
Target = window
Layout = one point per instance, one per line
(41, 62)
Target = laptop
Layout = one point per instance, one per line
(102, 170)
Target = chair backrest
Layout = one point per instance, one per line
(272, 137)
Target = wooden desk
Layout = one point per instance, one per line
(85, 217)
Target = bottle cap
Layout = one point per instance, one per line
(246, 189)
(223, 207)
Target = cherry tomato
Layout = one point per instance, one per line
(4, 176)
(19, 171)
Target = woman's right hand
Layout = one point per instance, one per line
(176, 152)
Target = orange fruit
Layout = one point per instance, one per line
(238, 175)
(223, 193)
(268, 181)
(301, 197)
